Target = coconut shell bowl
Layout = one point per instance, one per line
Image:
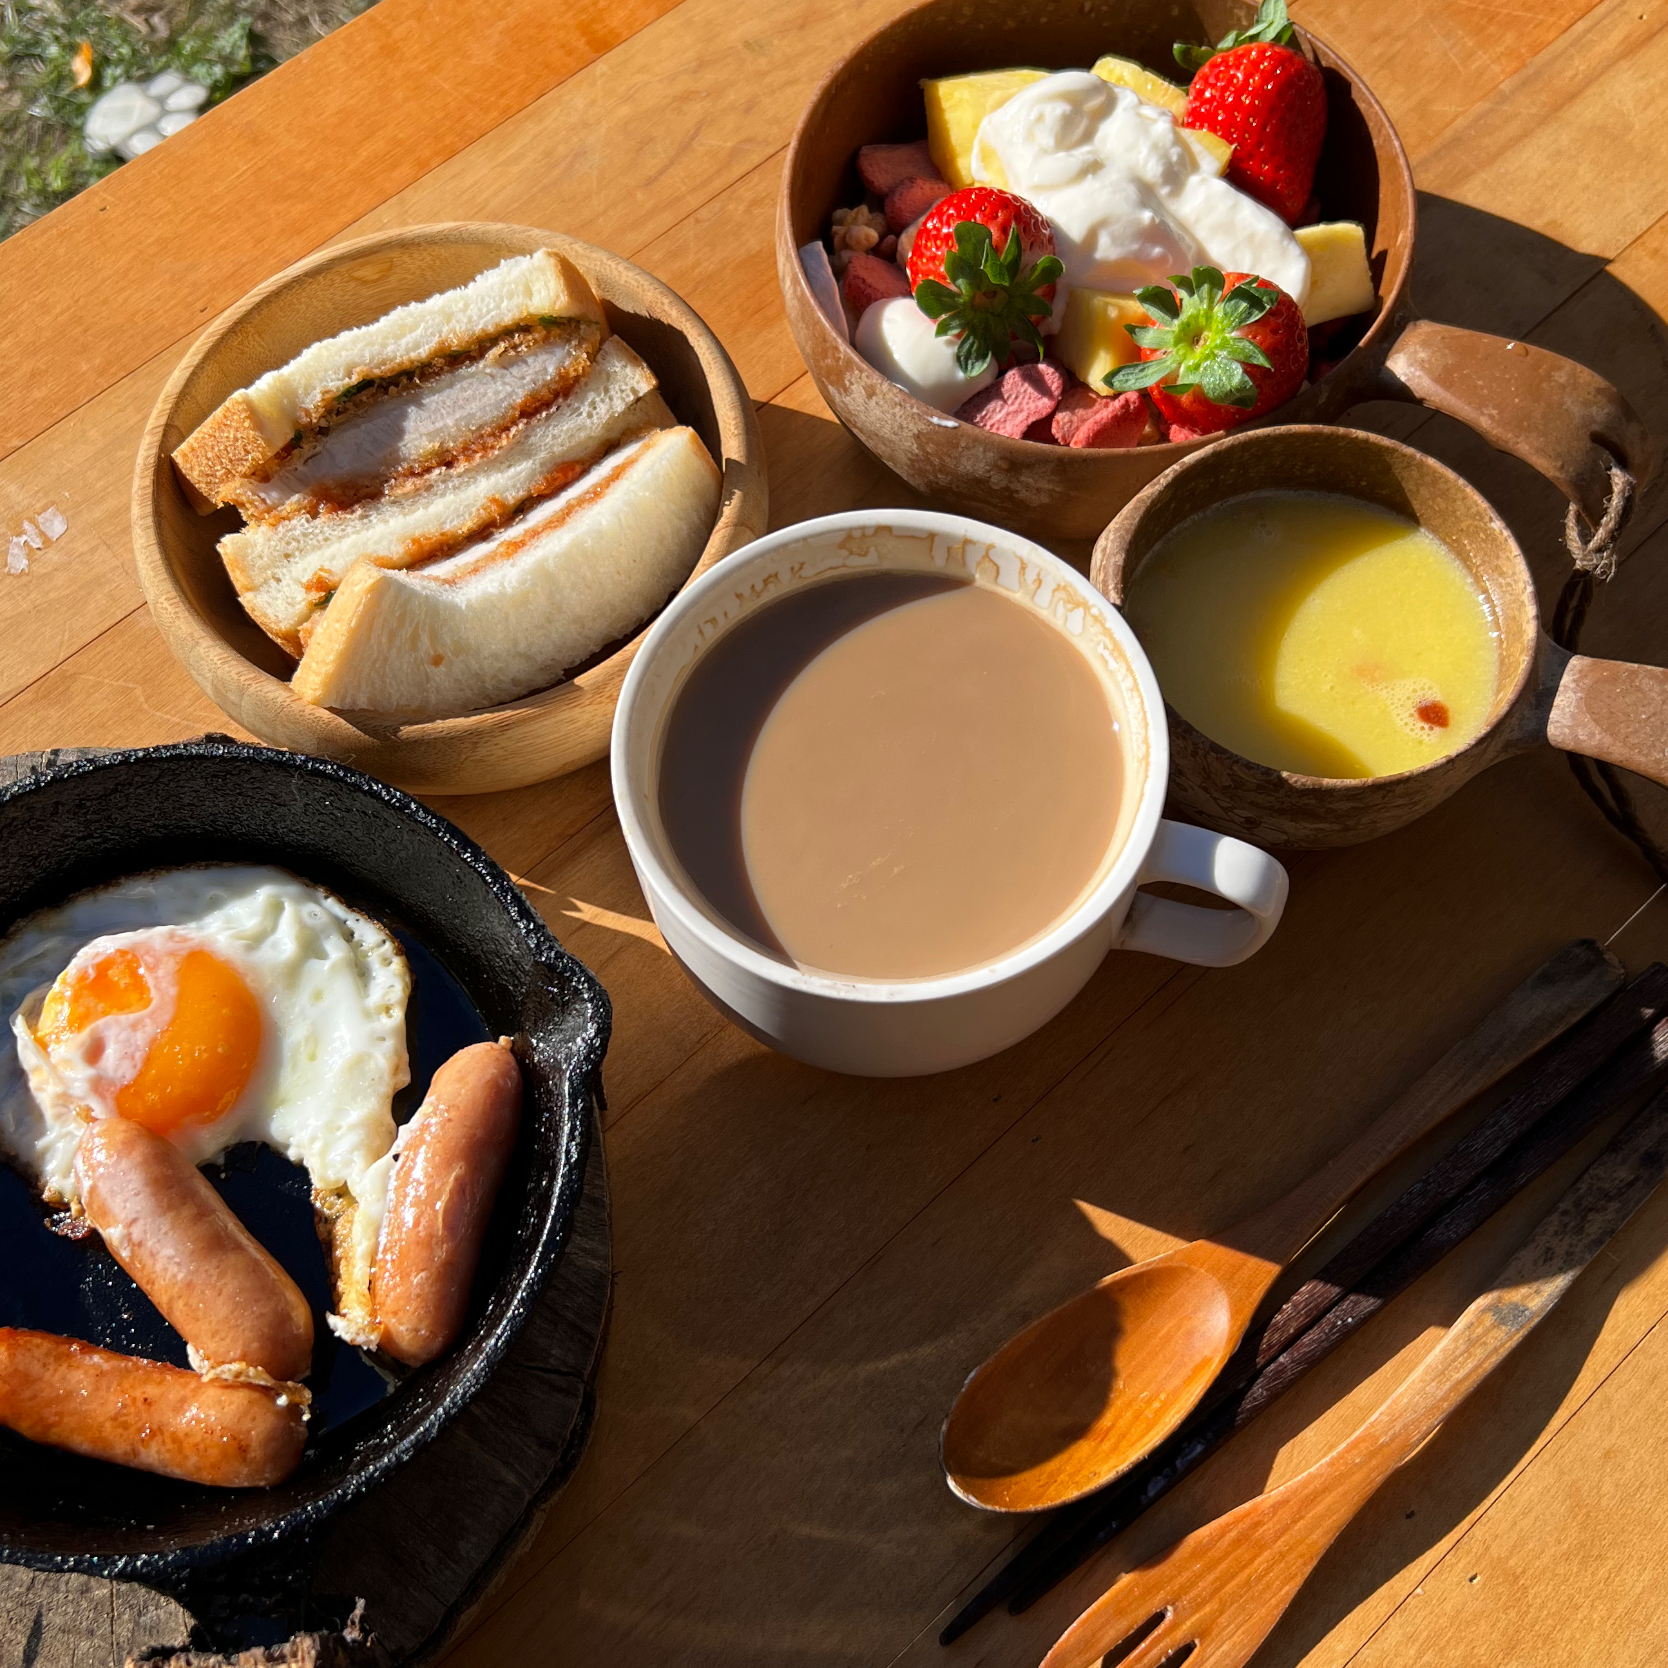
(873, 95)
(1604, 709)
(247, 675)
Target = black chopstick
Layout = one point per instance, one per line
(1571, 1090)
(1197, 1441)
(1634, 1069)
(1568, 1062)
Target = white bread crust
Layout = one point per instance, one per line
(459, 413)
(512, 613)
(284, 570)
(251, 426)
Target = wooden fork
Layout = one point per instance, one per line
(1215, 1595)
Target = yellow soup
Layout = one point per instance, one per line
(1317, 634)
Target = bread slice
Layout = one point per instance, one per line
(432, 422)
(251, 427)
(511, 613)
(285, 571)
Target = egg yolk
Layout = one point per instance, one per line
(197, 1064)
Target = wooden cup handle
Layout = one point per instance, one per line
(1613, 711)
(1561, 418)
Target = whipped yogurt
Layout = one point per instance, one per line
(902, 343)
(1131, 200)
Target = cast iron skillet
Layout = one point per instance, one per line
(491, 968)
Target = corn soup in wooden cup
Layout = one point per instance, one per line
(1542, 694)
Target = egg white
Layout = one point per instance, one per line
(332, 988)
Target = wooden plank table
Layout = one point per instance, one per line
(808, 1265)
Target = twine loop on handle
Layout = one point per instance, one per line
(1594, 554)
(1597, 555)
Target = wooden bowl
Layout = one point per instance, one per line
(244, 672)
(1605, 709)
(873, 95)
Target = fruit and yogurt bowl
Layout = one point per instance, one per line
(1055, 249)
(1030, 269)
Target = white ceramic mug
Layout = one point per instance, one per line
(899, 1029)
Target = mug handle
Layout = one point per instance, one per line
(1243, 874)
(1559, 417)
(1614, 711)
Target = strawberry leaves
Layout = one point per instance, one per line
(1272, 25)
(1194, 341)
(991, 299)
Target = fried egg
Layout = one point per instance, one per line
(212, 1005)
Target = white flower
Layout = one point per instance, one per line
(130, 119)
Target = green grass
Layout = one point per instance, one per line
(216, 42)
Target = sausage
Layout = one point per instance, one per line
(214, 1282)
(147, 1414)
(440, 1200)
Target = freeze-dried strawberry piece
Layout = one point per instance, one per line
(880, 167)
(909, 199)
(1040, 432)
(1085, 418)
(887, 248)
(869, 279)
(1021, 396)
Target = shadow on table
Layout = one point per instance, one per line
(1485, 273)
(857, 1539)
(1477, 270)
(804, 1518)
(1469, 1458)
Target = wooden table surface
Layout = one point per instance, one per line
(808, 1265)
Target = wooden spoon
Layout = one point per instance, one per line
(1077, 1397)
(1221, 1589)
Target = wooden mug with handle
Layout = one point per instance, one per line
(1606, 710)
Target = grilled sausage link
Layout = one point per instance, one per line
(145, 1413)
(440, 1200)
(214, 1282)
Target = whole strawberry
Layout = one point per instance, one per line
(1268, 101)
(1219, 351)
(983, 265)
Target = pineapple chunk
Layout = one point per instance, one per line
(1149, 88)
(956, 104)
(1092, 341)
(1340, 281)
(1211, 152)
